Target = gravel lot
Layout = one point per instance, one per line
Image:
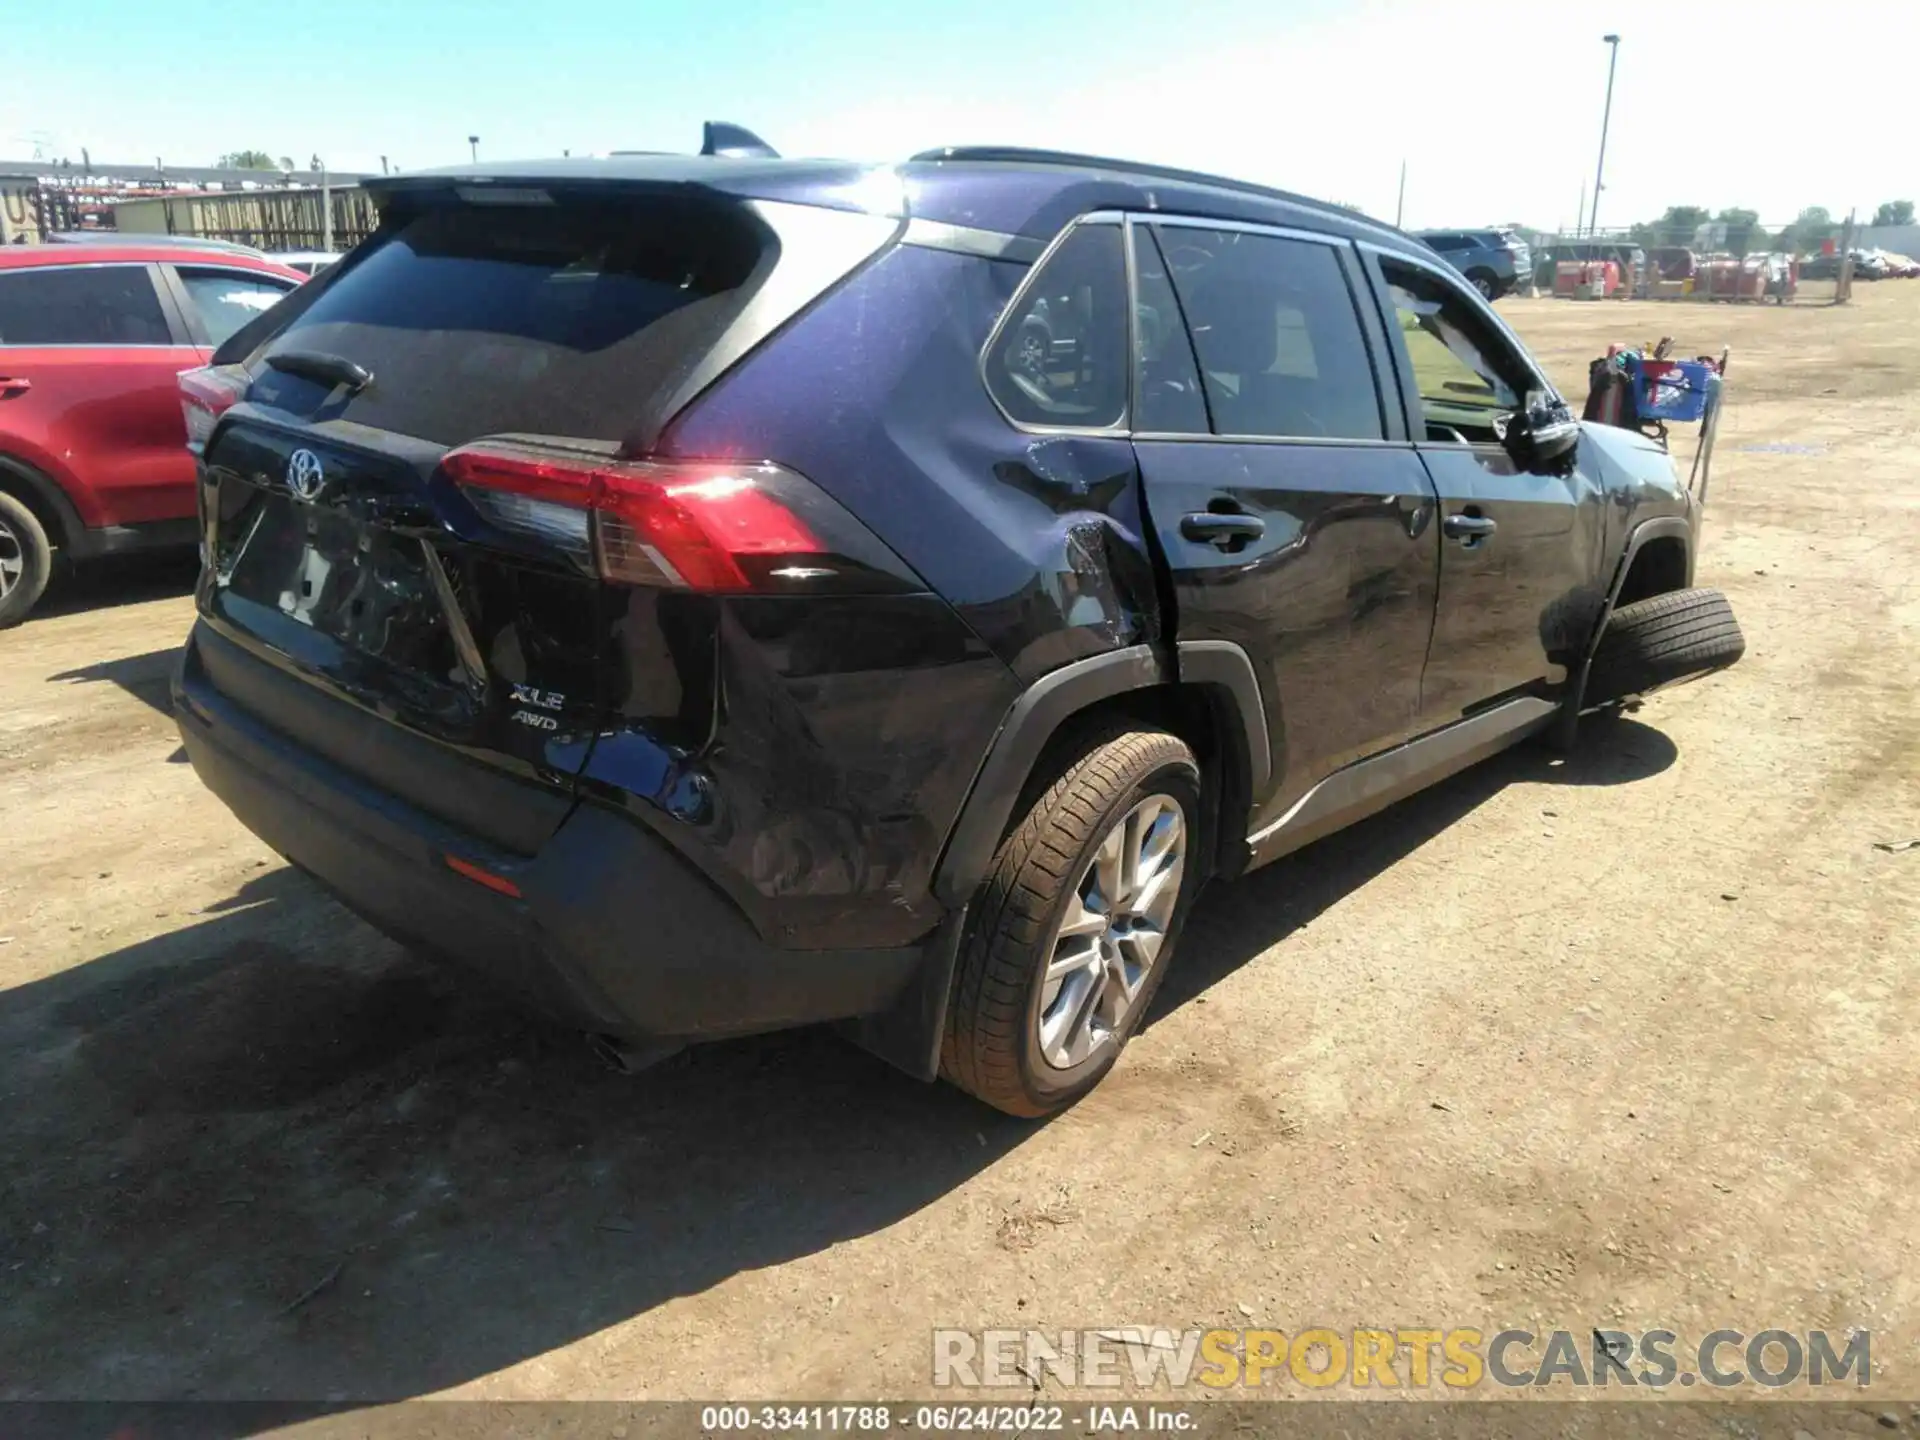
(1625, 1040)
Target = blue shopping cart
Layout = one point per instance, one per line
(1671, 389)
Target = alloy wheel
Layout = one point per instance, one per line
(1112, 933)
(13, 559)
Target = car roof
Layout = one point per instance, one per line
(1031, 193)
(114, 237)
(21, 257)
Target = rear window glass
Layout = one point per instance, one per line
(546, 319)
(81, 305)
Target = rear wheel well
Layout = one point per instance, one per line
(1200, 715)
(1658, 568)
(25, 486)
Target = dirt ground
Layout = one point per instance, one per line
(1623, 1040)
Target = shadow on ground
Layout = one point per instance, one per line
(269, 1156)
(1234, 923)
(147, 677)
(121, 580)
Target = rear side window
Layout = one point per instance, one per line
(228, 299)
(1060, 356)
(1280, 346)
(559, 319)
(81, 305)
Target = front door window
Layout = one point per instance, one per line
(1467, 381)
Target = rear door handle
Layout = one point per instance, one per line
(1222, 530)
(1467, 528)
(16, 386)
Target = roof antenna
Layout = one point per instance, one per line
(735, 142)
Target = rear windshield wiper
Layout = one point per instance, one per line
(325, 369)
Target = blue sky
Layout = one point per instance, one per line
(1496, 122)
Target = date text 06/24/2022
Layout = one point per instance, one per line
(944, 1419)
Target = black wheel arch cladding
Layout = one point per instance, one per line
(1054, 701)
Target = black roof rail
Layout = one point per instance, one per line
(1016, 154)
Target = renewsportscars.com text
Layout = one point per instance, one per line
(1454, 1359)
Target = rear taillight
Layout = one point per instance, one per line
(690, 524)
(205, 395)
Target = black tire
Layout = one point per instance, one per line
(991, 1047)
(26, 560)
(1484, 282)
(1653, 643)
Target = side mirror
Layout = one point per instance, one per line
(1543, 436)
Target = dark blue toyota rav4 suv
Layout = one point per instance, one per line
(718, 594)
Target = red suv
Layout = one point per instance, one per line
(93, 457)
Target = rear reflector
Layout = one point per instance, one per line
(497, 883)
(205, 395)
(697, 525)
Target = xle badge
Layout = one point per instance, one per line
(532, 701)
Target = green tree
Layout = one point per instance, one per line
(246, 160)
(1743, 230)
(1804, 235)
(1678, 225)
(1894, 212)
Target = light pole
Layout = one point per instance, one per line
(1606, 116)
(473, 148)
(326, 205)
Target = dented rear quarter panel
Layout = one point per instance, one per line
(845, 734)
(1036, 540)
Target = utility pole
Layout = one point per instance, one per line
(383, 166)
(1606, 118)
(326, 206)
(1400, 205)
(473, 148)
(1843, 287)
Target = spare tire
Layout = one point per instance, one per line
(1652, 643)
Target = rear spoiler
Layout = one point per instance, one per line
(719, 140)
